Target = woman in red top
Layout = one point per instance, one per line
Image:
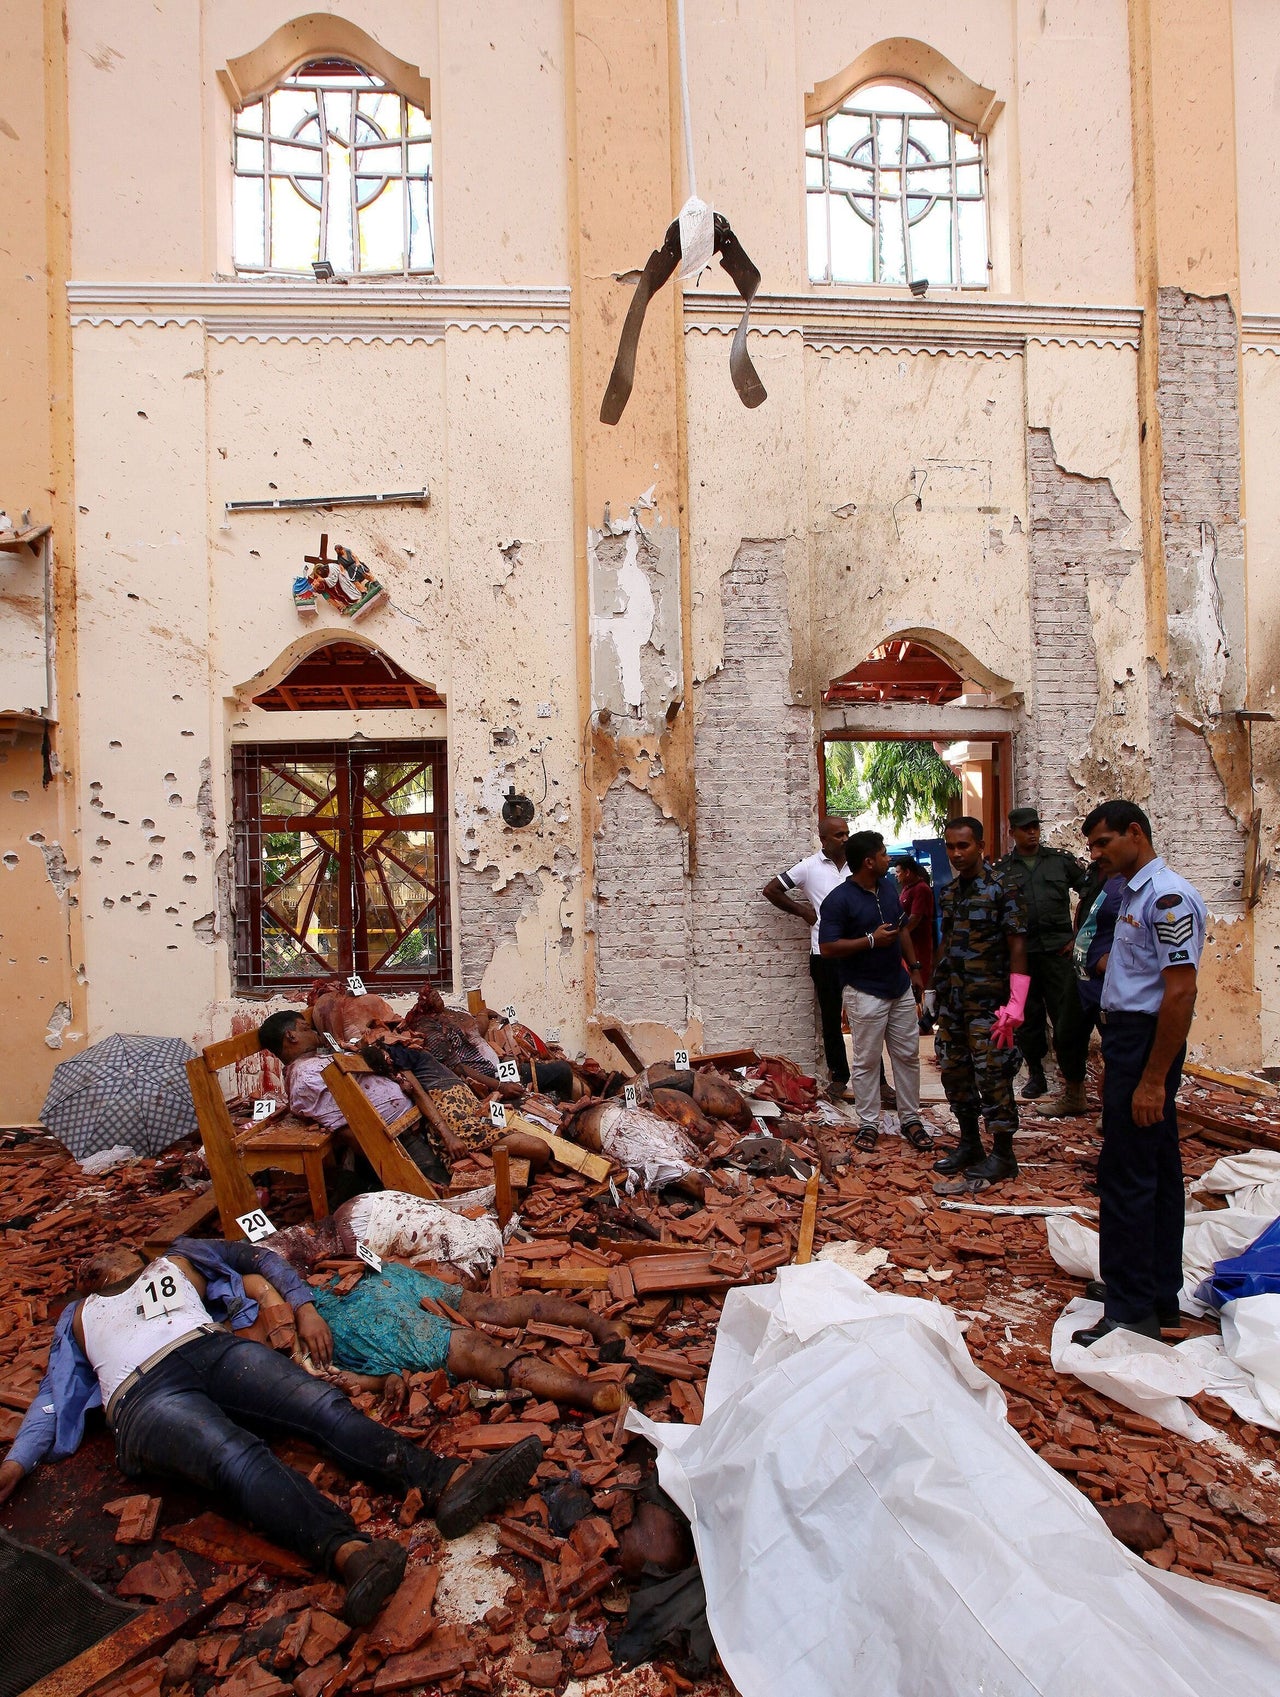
(917, 911)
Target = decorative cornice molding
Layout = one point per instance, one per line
(1260, 333)
(273, 310)
(245, 311)
(968, 325)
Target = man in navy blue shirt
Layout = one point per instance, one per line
(860, 927)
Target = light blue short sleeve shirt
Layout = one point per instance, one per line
(1161, 924)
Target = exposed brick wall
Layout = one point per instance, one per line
(757, 797)
(642, 911)
(487, 917)
(1193, 828)
(1078, 528)
(1199, 403)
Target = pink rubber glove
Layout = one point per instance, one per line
(1011, 1015)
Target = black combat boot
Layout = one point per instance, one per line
(999, 1164)
(1037, 1084)
(968, 1152)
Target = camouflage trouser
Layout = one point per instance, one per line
(976, 1077)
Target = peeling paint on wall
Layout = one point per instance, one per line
(635, 619)
(60, 875)
(489, 909)
(59, 1020)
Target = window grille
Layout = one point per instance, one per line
(333, 164)
(341, 863)
(895, 191)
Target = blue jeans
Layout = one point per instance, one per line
(202, 1413)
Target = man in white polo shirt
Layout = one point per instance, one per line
(800, 891)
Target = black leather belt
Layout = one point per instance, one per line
(143, 1368)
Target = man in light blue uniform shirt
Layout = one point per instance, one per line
(1148, 999)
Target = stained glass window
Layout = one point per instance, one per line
(895, 192)
(341, 863)
(333, 164)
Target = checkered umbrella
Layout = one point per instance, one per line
(124, 1090)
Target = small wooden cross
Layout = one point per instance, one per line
(322, 558)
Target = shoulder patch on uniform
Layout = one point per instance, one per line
(1175, 930)
(1177, 955)
(1173, 898)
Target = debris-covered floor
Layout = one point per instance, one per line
(537, 1597)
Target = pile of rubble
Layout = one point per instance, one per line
(548, 1593)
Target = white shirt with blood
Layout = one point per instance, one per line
(116, 1336)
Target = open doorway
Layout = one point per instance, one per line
(904, 773)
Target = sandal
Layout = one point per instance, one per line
(917, 1136)
(865, 1139)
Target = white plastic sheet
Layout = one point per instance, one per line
(1206, 1238)
(1250, 1179)
(866, 1521)
(1251, 1339)
(1140, 1373)
(1155, 1378)
(1073, 1245)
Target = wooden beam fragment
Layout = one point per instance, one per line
(808, 1221)
(580, 1160)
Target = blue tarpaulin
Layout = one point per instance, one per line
(1254, 1272)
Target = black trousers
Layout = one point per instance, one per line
(202, 1414)
(1053, 995)
(1072, 1042)
(1141, 1207)
(829, 990)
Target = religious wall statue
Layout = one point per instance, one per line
(345, 582)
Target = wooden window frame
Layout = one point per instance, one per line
(249, 826)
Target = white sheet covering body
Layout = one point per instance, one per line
(867, 1521)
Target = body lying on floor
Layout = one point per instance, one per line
(403, 1078)
(159, 1346)
(380, 1331)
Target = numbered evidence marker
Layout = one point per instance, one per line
(629, 1095)
(333, 1042)
(508, 1072)
(498, 1115)
(255, 1225)
(355, 984)
(368, 1256)
(264, 1107)
(680, 1060)
(160, 1295)
(509, 1013)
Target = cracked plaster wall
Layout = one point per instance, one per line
(886, 430)
(1260, 402)
(481, 604)
(37, 890)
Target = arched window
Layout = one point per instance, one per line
(333, 164)
(895, 192)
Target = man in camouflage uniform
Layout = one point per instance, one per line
(980, 986)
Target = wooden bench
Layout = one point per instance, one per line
(379, 1142)
(234, 1156)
